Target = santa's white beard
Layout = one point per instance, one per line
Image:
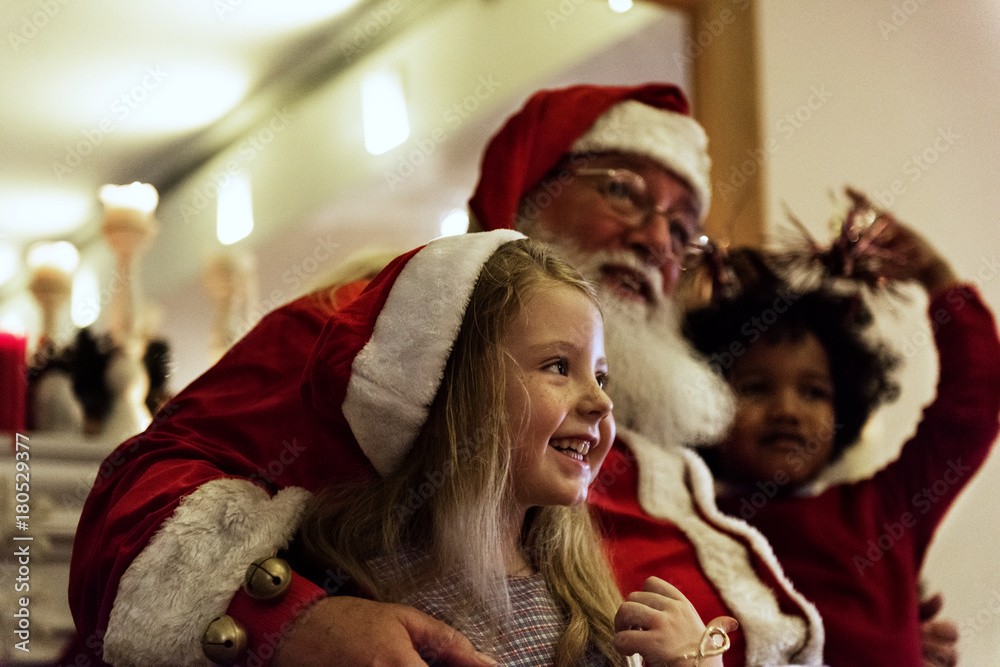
(660, 386)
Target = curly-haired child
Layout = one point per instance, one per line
(806, 381)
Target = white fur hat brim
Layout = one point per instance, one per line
(674, 140)
(396, 375)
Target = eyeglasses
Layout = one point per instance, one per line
(630, 198)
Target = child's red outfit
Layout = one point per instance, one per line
(856, 549)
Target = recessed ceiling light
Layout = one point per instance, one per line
(234, 215)
(34, 212)
(383, 108)
(184, 96)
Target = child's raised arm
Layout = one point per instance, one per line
(662, 626)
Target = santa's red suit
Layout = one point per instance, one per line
(221, 476)
(177, 513)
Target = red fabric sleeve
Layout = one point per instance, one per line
(243, 418)
(958, 428)
(266, 623)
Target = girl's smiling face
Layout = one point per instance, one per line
(560, 415)
(784, 423)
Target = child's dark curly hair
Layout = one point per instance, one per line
(766, 309)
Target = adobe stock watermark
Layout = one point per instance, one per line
(708, 31)
(248, 149)
(956, 298)
(296, 277)
(752, 330)
(922, 502)
(267, 476)
(453, 118)
(225, 7)
(565, 9)
(90, 308)
(988, 269)
(433, 480)
(32, 25)
(610, 473)
(900, 16)
(140, 444)
(268, 644)
(542, 197)
(917, 165)
(121, 108)
(361, 38)
(786, 127)
(985, 617)
(766, 490)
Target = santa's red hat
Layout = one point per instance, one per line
(650, 120)
(379, 362)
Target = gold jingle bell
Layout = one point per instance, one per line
(224, 641)
(267, 578)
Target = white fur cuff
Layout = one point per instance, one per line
(190, 570)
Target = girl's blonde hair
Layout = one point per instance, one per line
(447, 499)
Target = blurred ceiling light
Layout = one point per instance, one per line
(620, 6)
(455, 222)
(158, 94)
(234, 215)
(139, 197)
(31, 212)
(61, 255)
(9, 262)
(189, 95)
(383, 108)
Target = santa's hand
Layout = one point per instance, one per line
(662, 626)
(353, 631)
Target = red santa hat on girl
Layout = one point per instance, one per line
(379, 361)
(650, 120)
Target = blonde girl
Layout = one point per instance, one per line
(471, 374)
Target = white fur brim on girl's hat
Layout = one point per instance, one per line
(380, 360)
(674, 140)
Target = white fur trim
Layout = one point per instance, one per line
(190, 570)
(396, 375)
(673, 139)
(703, 491)
(675, 485)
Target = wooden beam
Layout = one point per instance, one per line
(721, 48)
